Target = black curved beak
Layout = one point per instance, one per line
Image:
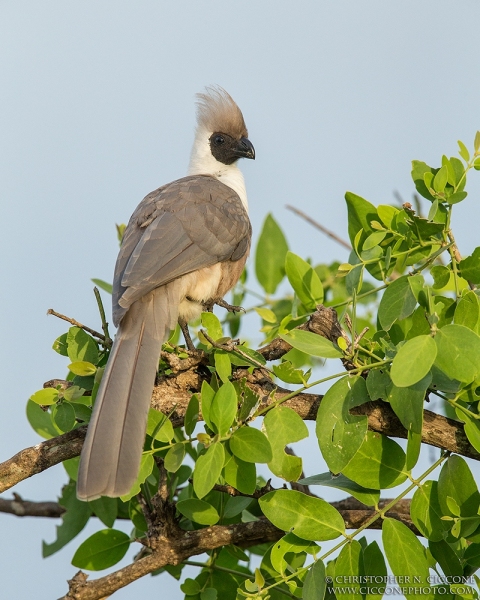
(244, 148)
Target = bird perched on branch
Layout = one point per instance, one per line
(184, 248)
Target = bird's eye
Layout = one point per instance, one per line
(219, 140)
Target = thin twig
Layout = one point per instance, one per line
(75, 323)
(323, 229)
(101, 310)
(456, 253)
(232, 346)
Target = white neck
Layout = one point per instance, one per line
(202, 162)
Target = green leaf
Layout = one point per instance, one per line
(405, 555)
(413, 361)
(289, 543)
(386, 214)
(458, 349)
(373, 240)
(456, 197)
(207, 395)
(40, 421)
(81, 346)
(73, 520)
(284, 426)
(198, 511)
(476, 143)
(60, 345)
(456, 481)
(307, 517)
(174, 458)
(287, 373)
(315, 584)
(463, 151)
(354, 279)
(407, 403)
(251, 445)
(64, 416)
(467, 312)
(378, 380)
(136, 515)
(397, 302)
(235, 505)
(375, 567)
(447, 558)
(369, 497)
(208, 594)
(223, 408)
(441, 276)
(378, 464)
(159, 426)
(472, 429)
(339, 433)
(311, 343)
(71, 467)
(82, 368)
(440, 180)
(414, 446)
(190, 587)
(349, 565)
(208, 469)
(106, 509)
(426, 512)
(360, 213)
(472, 555)
(240, 474)
(419, 169)
(146, 467)
(267, 314)
(103, 285)
(469, 267)
(304, 280)
(191, 415)
(212, 325)
(101, 550)
(270, 255)
(45, 397)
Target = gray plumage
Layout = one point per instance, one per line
(178, 233)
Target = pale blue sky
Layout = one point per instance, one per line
(96, 110)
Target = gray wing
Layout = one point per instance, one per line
(189, 224)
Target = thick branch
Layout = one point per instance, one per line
(173, 394)
(170, 551)
(36, 459)
(24, 508)
(174, 550)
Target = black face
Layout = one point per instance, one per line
(227, 149)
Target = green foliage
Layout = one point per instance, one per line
(101, 550)
(417, 306)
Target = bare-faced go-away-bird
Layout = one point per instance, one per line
(184, 248)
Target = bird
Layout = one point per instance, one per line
(184, 248)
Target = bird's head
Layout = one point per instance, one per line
(221, 137)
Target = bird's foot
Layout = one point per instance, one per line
(230, 307)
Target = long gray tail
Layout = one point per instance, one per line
(113, 447)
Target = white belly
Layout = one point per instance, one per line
(199, 286)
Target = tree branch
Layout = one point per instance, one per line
(36, 459)
(24, 508)
(172, 395)
(174, 550)
(320, 227)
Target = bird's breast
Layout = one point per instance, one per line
(207, 284)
